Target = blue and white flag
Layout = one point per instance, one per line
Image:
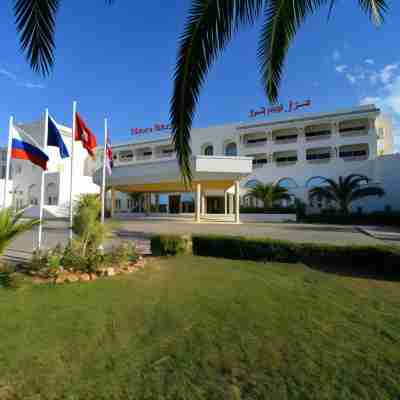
(55, 139)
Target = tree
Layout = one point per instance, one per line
(346, 190)
(11, 226)
(269, 193)
(209, 27)
(87, 225)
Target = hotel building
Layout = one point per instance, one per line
(296, 152)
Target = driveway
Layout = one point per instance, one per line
(140, 231)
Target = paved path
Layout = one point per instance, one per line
(140, 231)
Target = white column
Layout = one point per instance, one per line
(203, 204)
(225, 203)
(237, 202)
(198, 201)
(112, 210)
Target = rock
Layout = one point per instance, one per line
(110, 271)
(61, 278)
(102, 272)
(72, 278)
(84, 278)
(93, 277)
(139, 263)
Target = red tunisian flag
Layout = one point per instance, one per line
(85, 135)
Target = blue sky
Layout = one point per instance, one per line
(118, 62)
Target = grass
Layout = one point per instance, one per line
(203, 328)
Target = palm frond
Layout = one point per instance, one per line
(209, 28)
(11, 226)
(366, 192)
(323, 192)
(35, 21)
(282, 20)
(375, 9)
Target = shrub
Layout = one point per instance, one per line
(9, 278)
(123, 253)
(383, 261)
(89, 230)
(170, 245)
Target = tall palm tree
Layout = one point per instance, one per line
(209, 27)
(346, 190)
(269, 193)
(11, 226)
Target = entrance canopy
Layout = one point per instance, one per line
(212, 172)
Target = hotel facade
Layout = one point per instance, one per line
(297, 153)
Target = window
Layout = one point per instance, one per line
(209, 150)
(286, 137)
(126, 155)
(318, 133)
(130, 203)
(147, 153)
(318, 156)
(251, 184)
(168, 151)
(287, 183)
(259, 162)
(231, 149)
(51, 194)
(255, 141)
(3, 172)
(118, 204)
(353, 153)
(18, 170)
(33, 194)
(286, 159)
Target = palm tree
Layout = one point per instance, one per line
(209, 27)
(11, 226)
(269, 193)
(346, 190)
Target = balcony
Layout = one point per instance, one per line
(125, 156)
(354, 153)
(353, 128)
(318, 135)
(283, 139)
(318, 156)
(259, 162)
(257, 139)
(285, 158)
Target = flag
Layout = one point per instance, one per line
(85, 135)
(109, 157)
(54, 138)
(24, 147)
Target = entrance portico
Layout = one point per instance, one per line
(216, 175)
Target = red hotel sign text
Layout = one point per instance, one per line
(155, 128)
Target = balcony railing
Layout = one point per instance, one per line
(284, 161)
(358, 155)
(318, 135)
(355, 131)
(255, 142)
(318, 158)
(285, 139)
(143, 157)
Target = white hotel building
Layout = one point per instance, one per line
(296, 152)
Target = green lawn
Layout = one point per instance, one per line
(203, 328)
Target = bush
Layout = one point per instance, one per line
(383, 261)
(375, 218)
(122, 254)
(9, 278)
(170, 245)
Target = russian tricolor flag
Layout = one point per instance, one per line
(24, 147)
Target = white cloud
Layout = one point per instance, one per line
(336, 55)
(30, 85)
(388, 99)
(13, 77)
(351, 78)
(8, 74)
(340, 68)
(369, 61)
(387, 73)
(370, 100)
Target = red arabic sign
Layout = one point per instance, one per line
(293, 106)
(155, 128)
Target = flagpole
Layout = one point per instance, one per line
(71, 205)
(103, 186)
(46, 133)
(10, 126)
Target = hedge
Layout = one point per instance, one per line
(170, 245)
(383, 261)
